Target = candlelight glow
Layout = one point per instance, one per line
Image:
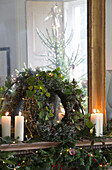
(20, 113)
(62, 110)
(98, 111)
(7, 113)
(94, 110)
(91, 130)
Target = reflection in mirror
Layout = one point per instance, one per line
(57, 37)
(58, 109)
(109, 59)
(46, 34)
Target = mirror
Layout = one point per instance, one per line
(60, 25)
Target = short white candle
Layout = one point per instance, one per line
(6, 125)
(19, 127)
(97, 119)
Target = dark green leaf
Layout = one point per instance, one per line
(29, 93)
(89, 124)
(30, 88)
(48, 94)
(41, 115)
(50, 115)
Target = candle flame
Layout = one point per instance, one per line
(62, 110)
(7, 113)
(94, 110)
(20, 113)
(98, 111)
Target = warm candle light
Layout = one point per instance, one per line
(20, 113)
(7, 113)
(19, 127)
(61, 114)
(98, 111)
(62, 110)
(97, 120)
(6, 125)
(94, 110)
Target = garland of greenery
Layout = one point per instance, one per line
(38, 89)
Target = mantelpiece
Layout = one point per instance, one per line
(28, 148)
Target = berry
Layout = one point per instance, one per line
(101, 165)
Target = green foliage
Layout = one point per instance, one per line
(2, 92)
(38, 90)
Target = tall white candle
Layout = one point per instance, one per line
(97, 119)
(19, 127)
(6, 125)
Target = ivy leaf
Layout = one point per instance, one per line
(31, 80)
(35, 87)
(78, 127)
(55, 75)
(51, 115)
(36, 97)
(40, 83)
(67, 91)
(40, 105)
(87, 116)
(42, 74)
(48, 94)
(58, 69)
(34, 91)
(47, 108)
(77, 117)
(30, 88)
(72, 121)
(81, 115)
(78, 91)
(82, 161)
(29, 93)
(8, 84)
(89, 124)
(46, 118)
(41, 115)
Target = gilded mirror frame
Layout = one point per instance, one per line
(96, 56)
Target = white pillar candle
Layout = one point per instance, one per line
(19, 127)
(6, 125)
(97, 119)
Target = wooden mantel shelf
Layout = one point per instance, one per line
(87, 144)
(26, 147)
